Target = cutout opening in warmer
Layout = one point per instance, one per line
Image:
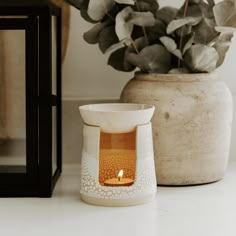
(117, 159)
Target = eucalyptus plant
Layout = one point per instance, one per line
(138, 33)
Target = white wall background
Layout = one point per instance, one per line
(86, 77)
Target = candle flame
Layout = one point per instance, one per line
(120, 174)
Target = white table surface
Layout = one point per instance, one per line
(207, 210)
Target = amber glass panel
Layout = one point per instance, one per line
(117, 152)
(54, 139)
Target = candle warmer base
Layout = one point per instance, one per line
(142, 167)
(117, 202)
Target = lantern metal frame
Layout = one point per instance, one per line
(37, 180)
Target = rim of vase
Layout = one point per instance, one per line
(191, 77)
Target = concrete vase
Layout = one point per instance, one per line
(191, 124)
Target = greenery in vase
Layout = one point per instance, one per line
(138, 33)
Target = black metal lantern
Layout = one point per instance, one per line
(32, 140)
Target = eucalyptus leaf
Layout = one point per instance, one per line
(205, 31)
(222, 45)
(118, 61)
(211, 3)
(156, 31)
(193, 10)
(176, 24)
(120, 44)
(207, 11)
(76, 3)
(92, 35)
(135, 48)
(188, 42)
(138, 44)
(126, 64)
(225, 14)
(171, 46)
(201, 58)
(136, 33)
(152, 59)
(98, 9)
(142, 19)
(107, 38)
(233, 1)
(166, 14)
(184, 30)
(111, 14)
(84, 12)
(222, 11)
(123, 27)
(225, 29)
(146, 5)
(194, 1)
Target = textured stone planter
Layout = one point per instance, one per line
(191, 124)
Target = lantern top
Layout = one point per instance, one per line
(27, 7)
(25, 3)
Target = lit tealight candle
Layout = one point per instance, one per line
(119, 181)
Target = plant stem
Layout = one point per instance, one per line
(106, 10)
(182, 30)
(112, 18)
(134, 45)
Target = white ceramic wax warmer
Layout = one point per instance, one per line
(117, 159)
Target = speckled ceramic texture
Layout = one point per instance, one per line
(191, 124)
(144, 188)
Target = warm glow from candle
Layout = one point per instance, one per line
(120, 174)
(119, 181)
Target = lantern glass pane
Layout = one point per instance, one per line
(13, 17)
(12, 102)
(54, 92)
(54, 56)
(54, 139)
